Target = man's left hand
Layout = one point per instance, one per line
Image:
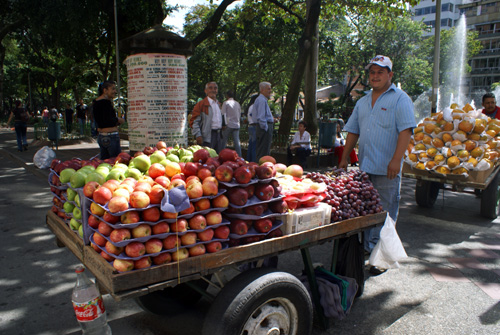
(393, 169)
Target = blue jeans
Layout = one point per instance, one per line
(20, 128)
(110, 145)
(235, 134)
(389, 192)
(252, 143)
(82, 126)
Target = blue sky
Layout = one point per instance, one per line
(177, 20)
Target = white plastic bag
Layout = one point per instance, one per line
(44, 157)
(389, 249)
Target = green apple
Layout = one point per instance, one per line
(75, 225)
(68, 207)
(70, 194)
(80, 231)
(142, 163)
(77, 200)
(89, 168)
(103, 171)
(66, 175)
(157, 156)
(164, 162)
(186, 159)
(173, 158)
(116, 174)
(77, 179)
(77, 213)
(120, 166)
(109, 166)
(95, 176)
(212, 152)
(134, 173)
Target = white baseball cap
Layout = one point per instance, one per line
(380, 60)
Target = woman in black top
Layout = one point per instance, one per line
(20, 126)
(106, 121)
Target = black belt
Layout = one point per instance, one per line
(109, 134)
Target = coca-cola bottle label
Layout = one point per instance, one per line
(90, 310)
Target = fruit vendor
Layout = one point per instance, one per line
(383, 122)
(106, 120)
(206, 120)
(301, 145)
(490, 106)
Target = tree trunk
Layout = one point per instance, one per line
(2, 58)
(311, 81)
(306, 43)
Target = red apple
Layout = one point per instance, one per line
(102, 195)
(171, 242)
(257, 210)
(263, 225)
(156, 170)
(279, 167)
(123, 157)
(178, 176)
(206, 235)
(242, 175)
(130, 217)
(142, 263)
(188, 238)
(129, 181)
(95, 247)
(213, 246)
(214, 161)
(90, 188)
(210, 186)
(117, 204)
(161, 145)
(220, 202)
(197, 250)
(264, 172)
(96, 209)
(278, 206)
(203, 172)
(194, 190)
(99, 240)
(180, 226)
(238, 227)
(93, 222)
(123, 265)
(156, 195)
(168, 215)
(163, 181)
(294, 170)
(197, 222)
(176, 183)
(112, 249)
(151, 214)
(111, 184)
(143, 186)
(162, 258)
(160, 228)
(227, 155)
(104, 228)
(141, 230)
(110, 218)
(264, 191)
(271, 165)
(275, 233)
(188, 210)
(192, 179)
(120, 234)
(222, 232)
(201, 156)
(213, 218)
(224, 173)
(180, 254)
(107, 256)
(190, 169)
(139, 199)
(153, 246)
(135, 249)
(238, 196)
(202, 204)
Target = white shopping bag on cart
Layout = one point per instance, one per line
(389, 249)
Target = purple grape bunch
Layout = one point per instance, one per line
(351, 194)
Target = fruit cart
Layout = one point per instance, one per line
(484, 184)
(257, 300)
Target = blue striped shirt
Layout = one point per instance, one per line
(379, 127)
(261, 112)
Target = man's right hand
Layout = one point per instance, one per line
(343, 164)
(199, 140)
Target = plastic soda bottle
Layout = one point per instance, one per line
(88, 305)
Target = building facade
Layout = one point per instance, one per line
(426, 11)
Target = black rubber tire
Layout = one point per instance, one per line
(490, 200)
(172, 300)
(259, 301)
(426, 193)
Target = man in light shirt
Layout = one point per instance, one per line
(206, 120)
(264, 121)
(383, 122)
(231, 113)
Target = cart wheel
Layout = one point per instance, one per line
(489, 200)
(172, 300)
(426, 193)
(261, 301)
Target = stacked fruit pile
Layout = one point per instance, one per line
(351, 194)
(301, 192)
(455, 141)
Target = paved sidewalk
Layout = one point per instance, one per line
(450, 283)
